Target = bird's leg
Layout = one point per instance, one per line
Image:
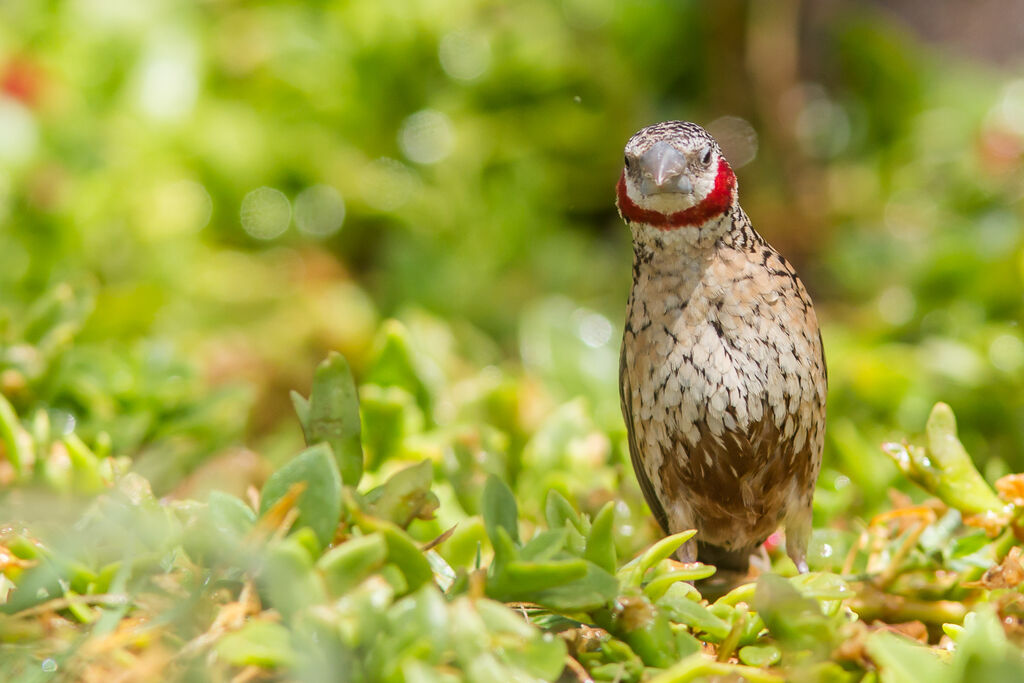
(688, 551)
(798, 533)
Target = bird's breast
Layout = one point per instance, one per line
(717, 354)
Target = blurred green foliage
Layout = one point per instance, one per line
(250, 185)
(316, 580)
(198, 201)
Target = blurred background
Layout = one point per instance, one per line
(199, 199)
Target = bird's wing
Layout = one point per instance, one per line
(625, 394)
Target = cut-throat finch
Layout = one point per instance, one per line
(722, 375)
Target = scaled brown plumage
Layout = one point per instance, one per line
(722, 374)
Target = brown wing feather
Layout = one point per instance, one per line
(635, 455)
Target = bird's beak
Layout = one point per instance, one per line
(663, 171)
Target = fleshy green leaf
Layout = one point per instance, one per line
(301, 405)
(760, 655)
(682, 610)
(901, 660)
(793, 619)
(349, 563)
(558, 511)
(544, 545)
(945, 469)
(822, 586)
(393, 364)
(288, 577)
(523, 578)
(595, 589)
(333, 416)
(320, 503)
(633, 571)
(259, 643)
(499, 509)
(657, 586)
(229, 514)
(405, 496)
(646, 630)
(600, 547)
(389, 414)
(403, 552)
(16, 440)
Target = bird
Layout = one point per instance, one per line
(722, 372)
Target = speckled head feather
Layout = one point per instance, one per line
(674, 176)
(683, 133)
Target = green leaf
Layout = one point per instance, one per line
(523, 578)
(264, 644)
(505, 549)
(85, 466)
(393, 364)
(402, 552)
(389, 415)
(16, 440)
(633, 571)
(558, 511)
(499, 509)
(793, 619)
(540, 655)
(561, 515)
(230, 515)
(301, 405)
(542, 658)
(500, 619)
(600, 547)
(822, 586)
(405, 496)
(647, 631)
(319, 504)
(901, 660)
(461, 548)
(545, 545)
(760, 656)
(657, 586)
(595, 589)
(333, 416)
(682, 610)
(353, 561)
(945, 469)
(983, 652)
(288, 578)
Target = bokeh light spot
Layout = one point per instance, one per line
(823, 127)
(265, 213)
(464, 56)
(426, 137)
(169, 80)
(180, 207)
(19, 134)
(592, 328)
(1007, 353)
(896, 305)
(319, 211)
(1010, 108)
(388, 184)
(737, 138)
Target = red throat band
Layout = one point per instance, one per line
(715, 204)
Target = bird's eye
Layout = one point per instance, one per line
(626, 161)
(705, 157)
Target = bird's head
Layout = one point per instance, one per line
(674, 176)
